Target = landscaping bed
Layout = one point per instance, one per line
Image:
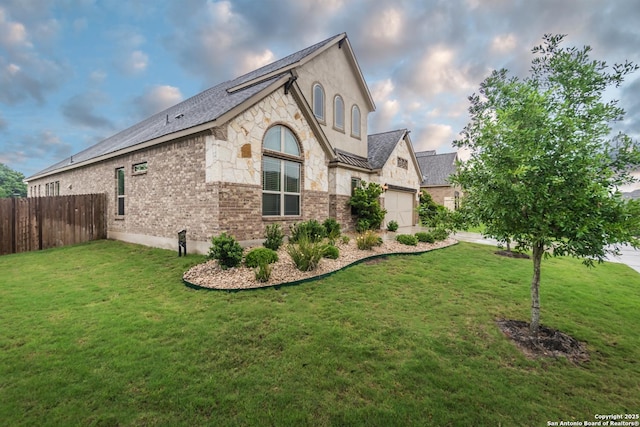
(211, 275)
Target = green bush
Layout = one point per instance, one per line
(226, 250)
(258, 256)
(305, 253)
(425, 237)
(263, 272)
(407, 239)
(368, 240)
(312, 230)
(273, 237)
(392, 225)
(440, 234)
(331, 252)
(362, 225)
(331, 228)
(429, 211)
(365, 202)
(346, 239)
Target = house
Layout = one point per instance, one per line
(282, 144)
(436, 170)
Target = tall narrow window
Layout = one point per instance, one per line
(120, 191)
(318, 101)
(281, 173)
(355, 121)
(338, 113)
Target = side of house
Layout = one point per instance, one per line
(284, 143)
(436, 170)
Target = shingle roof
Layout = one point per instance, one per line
(199, 109)
(425, 153)
(381, 146)
(436, 168)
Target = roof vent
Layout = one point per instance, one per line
(179, 116)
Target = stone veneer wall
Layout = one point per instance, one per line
(340, 209)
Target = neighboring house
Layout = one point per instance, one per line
(436, 170)
(281, 144)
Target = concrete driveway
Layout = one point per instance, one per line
(628, 255)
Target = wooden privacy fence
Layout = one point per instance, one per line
(35, 223)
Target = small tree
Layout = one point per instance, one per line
(11, 184)
(543, 172)
(366, 204)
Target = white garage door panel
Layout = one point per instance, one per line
(399, 206)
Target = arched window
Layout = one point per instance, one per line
(355, 121)
(281, 173)
(318, 101)
(338, 112)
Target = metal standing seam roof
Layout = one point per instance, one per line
(436, 168)
(199, 109)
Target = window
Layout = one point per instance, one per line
(355, 183)
(120, 191)
(281, 173)
(318, 101)
(403, 163)
(139, 168)
(338, 112)
(355, 121)
(57, 188)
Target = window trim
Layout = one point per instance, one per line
(335, 113)
(355, 108)
(283, 160)
(119, 213)
(322, 117)
(137, 165)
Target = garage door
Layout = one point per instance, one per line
(399, 206)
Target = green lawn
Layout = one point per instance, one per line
(106, 334)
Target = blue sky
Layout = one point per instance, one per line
(73, 72)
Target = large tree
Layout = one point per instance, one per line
(545, 170)
(11, 184)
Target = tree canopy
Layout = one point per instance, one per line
(11, 184)
(545, 170)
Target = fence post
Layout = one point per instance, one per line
(14, 225)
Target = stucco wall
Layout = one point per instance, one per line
(332, 70)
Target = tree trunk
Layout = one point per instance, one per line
(538, 251)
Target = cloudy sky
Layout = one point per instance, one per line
(73, 72)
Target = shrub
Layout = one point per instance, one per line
(362, 225)
(365, 202)
(263, 272)
(346, 239)
(273, 237)
(440, 234)
(331, 252)
(407, 239)
(392, 225)
(305, 254)
(425, 237)
(226, 250)
(258, 256)
(429, 211)
(368, 240)
(312, 230)
(331, 228)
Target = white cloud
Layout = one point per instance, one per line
(12, 34)
(437, 72)
(504, 43)
(156, 99)
(137, 61)
(387, 26)
(98, 76)
(253, 61)
(433, 137)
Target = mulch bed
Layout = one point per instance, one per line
(548, 343)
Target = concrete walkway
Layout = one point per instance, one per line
(628, 255)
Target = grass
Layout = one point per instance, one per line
(106, 334)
